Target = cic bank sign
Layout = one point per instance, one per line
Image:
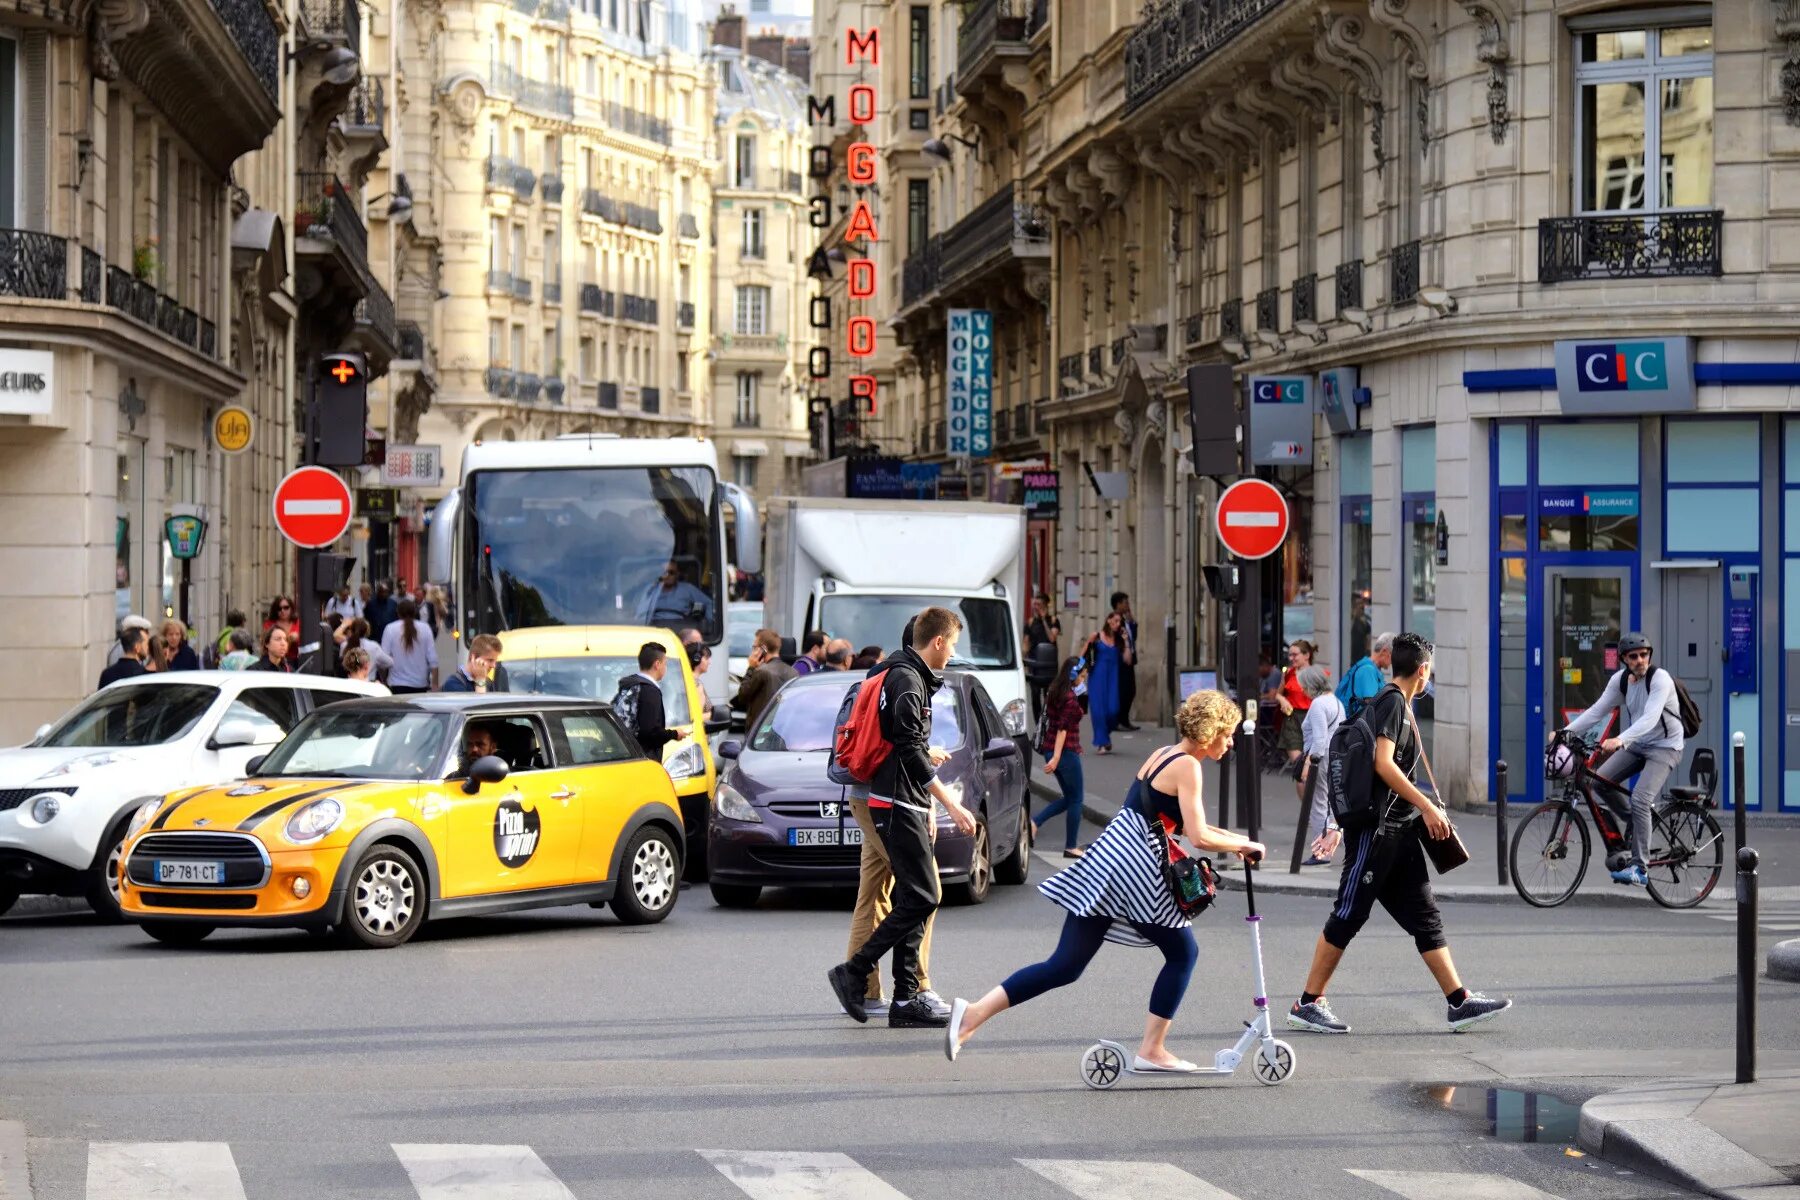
(1640, 375)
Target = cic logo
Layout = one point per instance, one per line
(1621, 367)
(1279, 391)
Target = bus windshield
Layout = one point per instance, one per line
(594, 546)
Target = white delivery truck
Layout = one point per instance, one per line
(859, 568)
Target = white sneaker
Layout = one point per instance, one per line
(875, 1006)
(938, 1005)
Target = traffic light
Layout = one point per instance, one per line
(1213, 417)
(328, 573)
(340, 413)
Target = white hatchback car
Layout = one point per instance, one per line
(66, 797)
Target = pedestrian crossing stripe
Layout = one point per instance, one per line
(457, 1171)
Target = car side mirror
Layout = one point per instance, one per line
(1000, 747)
(39, 735)
(719, 719)
(233, 733)
(254, 765)
(489, 768)
(730, 749)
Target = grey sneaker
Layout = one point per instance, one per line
(875, 1006)
(938, 1004)
(1316, 1017)
(1474, 1010)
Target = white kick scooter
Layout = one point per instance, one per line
(1105, 1062)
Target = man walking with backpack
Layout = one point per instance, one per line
(902, 786)
(1658, 716)
(1385, 860)
(639, 703)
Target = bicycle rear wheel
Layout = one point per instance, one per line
(1549, 854)
(1686, 856)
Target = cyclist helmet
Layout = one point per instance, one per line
(1560, 761)
(1634, 641)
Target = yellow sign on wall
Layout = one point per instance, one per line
(233, 429)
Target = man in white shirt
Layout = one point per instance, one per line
(344, 606)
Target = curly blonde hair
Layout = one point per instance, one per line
(1205, 715)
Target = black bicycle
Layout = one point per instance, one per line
(1551, 846)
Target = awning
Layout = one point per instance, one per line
(749, 449)
(257, 240)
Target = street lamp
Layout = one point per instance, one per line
(935, 147)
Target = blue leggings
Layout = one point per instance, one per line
(1080, 941)
(1068, 776)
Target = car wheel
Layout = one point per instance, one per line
(386, 904)
(736, 895)
(980, 882)
(101, 887)
(1015, 868)
(652, 878)
(177, 933)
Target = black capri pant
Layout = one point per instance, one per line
(1390, 867)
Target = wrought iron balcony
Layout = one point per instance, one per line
(596, 300)
(597, 204)
(1231, 318)
(1096, 362)
(1268, 308)
(34, 265)
(1631, 246)
(1038, 18)
(552, 186)
(93, 277)
(993, 31)
(607, 397)
(745, 420)
(209, 339)
(1118, 352)
(134, 297)
(500, 383)
(1305, 302)
(499, 172)
(553, 293)
(650, 400)
(324, 195)
(795, 181)
(499, 281)
(637, 308)
(1403, 273)
(335, 19)
(411, 341)
(1000, 229)
(554, 10)
(250, 26)
(527, 386)
(521, 288)
(1175, 36)
(638, 124)
(375, 312)
(532, 93)
(1191, 328)
(919, 274)
(1348, 289)
(553, 390)
(684, 315)
(1068, 375)
(644, 217)
(687, 225)
(368, 106)
(524, 182)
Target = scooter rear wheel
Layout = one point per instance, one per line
(1274, 1065)
(1102, 1065)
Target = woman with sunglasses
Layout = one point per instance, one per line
(1294, 701)
(282, 613)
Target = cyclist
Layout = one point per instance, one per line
(1648, 746)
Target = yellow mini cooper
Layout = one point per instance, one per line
(376, 815)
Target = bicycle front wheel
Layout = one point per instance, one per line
(1686, 856)
(1549, 854)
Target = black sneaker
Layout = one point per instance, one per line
(1316, 1017)
(917, 1013)
(1474, 1010)
(849, 987)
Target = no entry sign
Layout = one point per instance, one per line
(312, 507)
(1252, 518)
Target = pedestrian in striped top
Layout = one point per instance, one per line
(1116, 892)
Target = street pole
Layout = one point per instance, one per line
(1737, 786)
(1746, 964)
(1500, 846)
(1249, 642)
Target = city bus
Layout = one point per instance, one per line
(584, 529)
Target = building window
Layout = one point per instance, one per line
(747, 384)
(518, 250)
(753, 310)
(918, 214)
(588, 361)
(744, 469)
(1356, 530)
(1646, 96)
(919, 37)
(753, 233)
(744, 161)
(496, 244)
(552, 258)
(517, 360)
(497, 341)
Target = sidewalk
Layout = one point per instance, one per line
(1108, 779)
(1724, 1139)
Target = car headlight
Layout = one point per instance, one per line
(1013, 715)
(143, 816)
(686, 764)
(731, 805)
(45, 807)
(315, 821)
(85, 763)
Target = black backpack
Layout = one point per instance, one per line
(1350, 774)
(1685, 708)
(625, 703)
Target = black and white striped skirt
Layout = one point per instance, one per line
(1120, 877)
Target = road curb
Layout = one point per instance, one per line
(1784, 960)
(15, 1171)
(1651, 1130)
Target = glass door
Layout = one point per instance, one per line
(1585, 610)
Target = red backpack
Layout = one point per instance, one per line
(857, 747)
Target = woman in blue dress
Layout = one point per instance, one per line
(1117, 893)
(1106, 650)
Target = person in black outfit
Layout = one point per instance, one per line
(900, 807)
(1386, 861)
(651, 726)
(132, 644)
(275, 652)
(1043, 630)
(1121, 604)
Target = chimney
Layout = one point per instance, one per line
(728, 30)
(767, 46)
(799, 58)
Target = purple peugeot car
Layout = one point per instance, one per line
(777, 821)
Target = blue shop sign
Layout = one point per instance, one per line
(1421, 511)
(891, 479)
(1637, 375)
(1579, 502)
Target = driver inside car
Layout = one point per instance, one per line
(478, 742)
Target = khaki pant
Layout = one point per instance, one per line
(872, 892)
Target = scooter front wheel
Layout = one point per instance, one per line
(1102, 1065)
(1274, 1063)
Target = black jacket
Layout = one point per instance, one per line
(125, 668)
(652, 729)
(907, 686)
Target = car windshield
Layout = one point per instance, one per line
(801, 719)
(360, 744)
(742, 622)
(988, 641)
(140, 715)
(594, 678)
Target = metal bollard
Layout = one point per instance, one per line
(1226, 765)
(1746, 958)
(1500, 846)
(1737, 786)
(1307, 775)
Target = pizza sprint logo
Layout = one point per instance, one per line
(515, 833)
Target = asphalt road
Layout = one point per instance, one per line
(559, 1054)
